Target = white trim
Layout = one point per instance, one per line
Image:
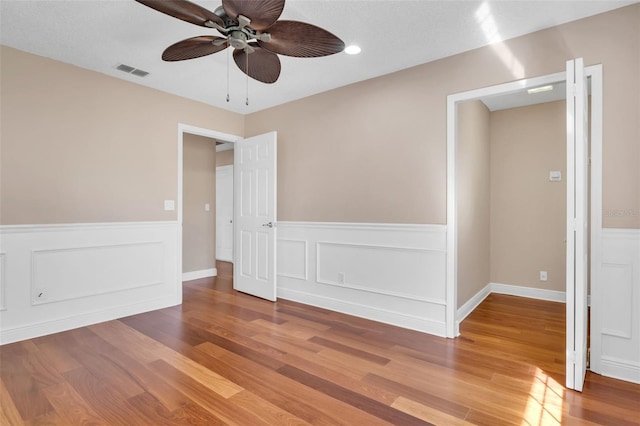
(225, 146)
(367, 226)
(6, 229)
(595, 72)
(620, 369)
(182, 129)
(392, 273)
(375, 314)
(623, 233)
(3, 281)
(224, 168)
(596, 216)
(196, 275)
(452, 116)
(473, 303)
(368, 289)
(530, 292)
(451, 286)
(305, 275)
(119, 283)
(511, 290)
(59, 325)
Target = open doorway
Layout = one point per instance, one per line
(454, 314)
(203, 141)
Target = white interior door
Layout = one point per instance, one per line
(224, 213)
(255, 216)
(577, 249)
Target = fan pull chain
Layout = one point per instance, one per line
(247, 74)
(228, 53)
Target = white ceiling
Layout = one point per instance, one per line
(394, 34)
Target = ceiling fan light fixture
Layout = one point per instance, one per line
(352, 49)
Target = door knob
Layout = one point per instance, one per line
(268, 224)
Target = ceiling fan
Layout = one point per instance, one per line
(252, 28)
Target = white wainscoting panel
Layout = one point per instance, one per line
(58, 277)
(292, 258)
(619, 304)
(392, 273)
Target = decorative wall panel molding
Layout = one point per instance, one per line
(618, 306)
(292, 258)
(57, 277)
(3, 280)
(386, 272)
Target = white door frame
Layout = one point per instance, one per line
(199, 131)
(595, 72)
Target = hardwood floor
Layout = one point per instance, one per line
(229, 358)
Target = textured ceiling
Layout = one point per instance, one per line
(394, 34)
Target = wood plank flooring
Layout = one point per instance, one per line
(228, 358)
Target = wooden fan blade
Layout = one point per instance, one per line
(264, 66)
(185, 10)
(263, 13)
(302, 40)
(194, 47)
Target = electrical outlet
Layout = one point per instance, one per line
(341, 277)
(543, 275)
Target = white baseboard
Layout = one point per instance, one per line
(32, 331)
(532, 293)
(196, 275)
(372, 313)
(620, 369)
(472, 303)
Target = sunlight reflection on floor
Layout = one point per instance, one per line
(546, 397)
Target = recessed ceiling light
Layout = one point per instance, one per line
(540, 89)
(352, 50)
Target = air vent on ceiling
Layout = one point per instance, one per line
(131, 70)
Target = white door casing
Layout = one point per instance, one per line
(577, 222)
(594, 199)
(224, 213)
(254, 270)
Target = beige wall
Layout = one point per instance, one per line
(528, 212)
(79, 146)
(473, 164)
(224, 158)
(199, 188)
(375, 151)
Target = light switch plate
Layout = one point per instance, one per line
(555, 176)
(169, 205)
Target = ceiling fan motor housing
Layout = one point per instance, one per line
(238, 39)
